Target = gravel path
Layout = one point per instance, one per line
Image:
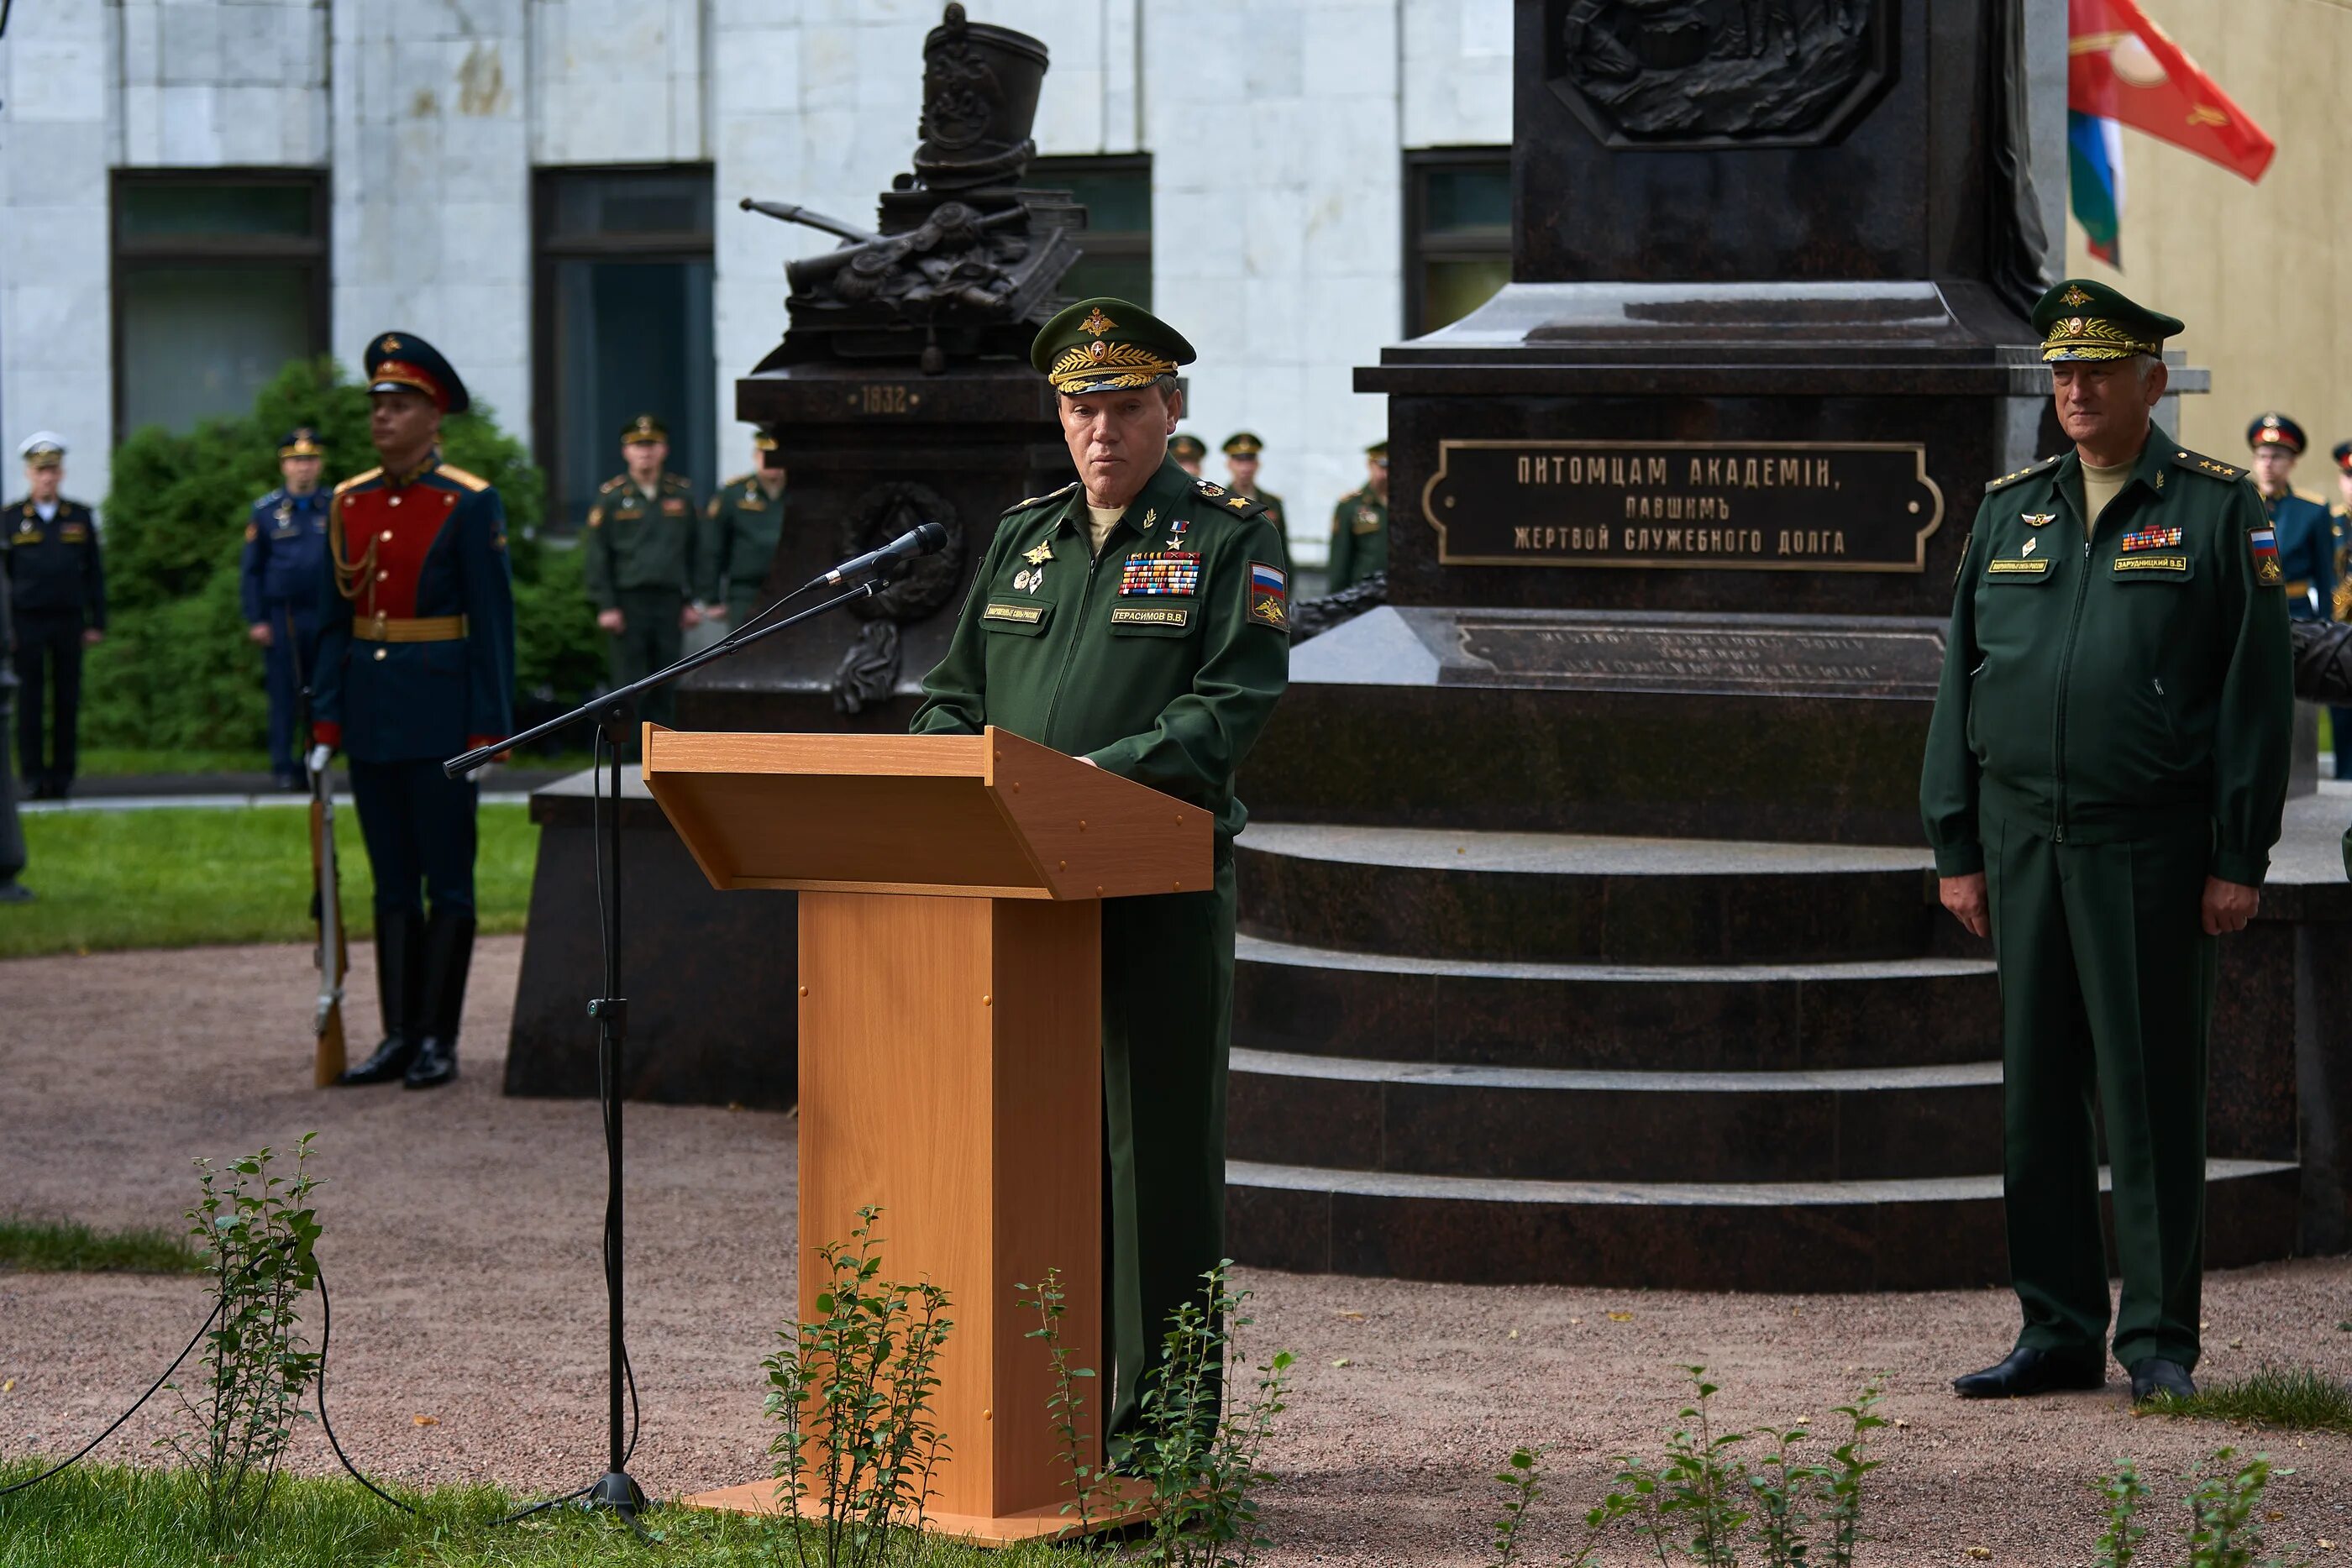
(461, 1232)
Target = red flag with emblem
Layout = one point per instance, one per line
(2121, 66)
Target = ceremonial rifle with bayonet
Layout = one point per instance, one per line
(332, 956)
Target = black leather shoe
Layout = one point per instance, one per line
(2026, 1372)
(435, 1064)
(399, 985)
(2156, 1376)
(15, 892)
(448, 955)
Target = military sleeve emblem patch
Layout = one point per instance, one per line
(2261, 545)
(1269, 596)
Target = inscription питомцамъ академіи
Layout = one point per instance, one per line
(1834, 507)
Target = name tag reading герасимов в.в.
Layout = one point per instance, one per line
(1728, 505)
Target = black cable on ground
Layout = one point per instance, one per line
(84, 1451)
(604, 1091)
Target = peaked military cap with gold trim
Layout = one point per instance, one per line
(762, 441)
(403, 362)
(2082, 318)
(1107, 345)
(2342, 456)
(1187, 446)
(1242, 444)
(2276, 430)
(644, 427)
(43, 449)
(301, 441)
(1377, 451)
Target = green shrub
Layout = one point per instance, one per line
(176, 670)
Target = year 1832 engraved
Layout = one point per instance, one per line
(1753, 507)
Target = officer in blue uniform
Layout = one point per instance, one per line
(415, 664)
(56, 588)
(2306, 535)
(282, 577)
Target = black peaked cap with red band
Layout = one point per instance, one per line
(403, 359)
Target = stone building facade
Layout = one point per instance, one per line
(1278, 140)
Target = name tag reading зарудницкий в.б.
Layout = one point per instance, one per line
(1754, 506)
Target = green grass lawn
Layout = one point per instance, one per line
(190, 876)
(2292, 1398)
(58, 1246)
(108, 1516)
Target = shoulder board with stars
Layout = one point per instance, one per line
(614, 483)
(2025, 473)
(1225, 501)
(1040, 500)
(2197, 463)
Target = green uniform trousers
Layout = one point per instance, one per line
(650, 639)
(1167, 1007)
(742, 603)
(2107, 985)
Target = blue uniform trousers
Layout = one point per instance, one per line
(289, 660)
(419, 827)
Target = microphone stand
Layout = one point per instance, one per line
(611, 713)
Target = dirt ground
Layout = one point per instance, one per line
(461, 1246)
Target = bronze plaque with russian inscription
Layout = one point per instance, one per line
(1709, 506)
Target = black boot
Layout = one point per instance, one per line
(448, 953)
(399, 985)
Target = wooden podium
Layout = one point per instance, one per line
(950, 1042)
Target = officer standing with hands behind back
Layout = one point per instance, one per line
(2104, 777)
(57, 587)
(640, 563)
(281, 579)
(740, 532)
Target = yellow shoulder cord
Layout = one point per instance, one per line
(350, 576)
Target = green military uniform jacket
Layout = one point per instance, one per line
(1160, 660)
(2118, 689)
(1360, 539)
(740, 534)
(635, 544)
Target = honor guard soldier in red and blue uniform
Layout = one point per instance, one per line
(2306, 534)
(282, 579)
(415, 664)
(56, 589)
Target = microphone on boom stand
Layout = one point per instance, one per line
(611, 713)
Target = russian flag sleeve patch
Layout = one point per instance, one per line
(2262, 544)
(1269, 596)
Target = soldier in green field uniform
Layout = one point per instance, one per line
(2103, 780)
(1139, 619)
(1190, 452)
(1359, 525)
(739, 535)
(640, 562)
(1241, 451)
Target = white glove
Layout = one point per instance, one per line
(319, 757)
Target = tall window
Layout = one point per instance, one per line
(1117, 240)
(220, 277)
(1457, 233)
(623, 327)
